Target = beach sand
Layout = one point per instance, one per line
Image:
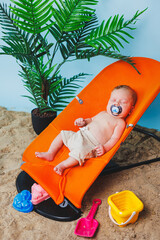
(16, 134)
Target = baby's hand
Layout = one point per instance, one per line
(100, 150)
(80, 122)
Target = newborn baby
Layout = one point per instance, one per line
(97, 135)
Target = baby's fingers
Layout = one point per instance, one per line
(79, 122)
(75, 122)
(96, 148)
(99, 153)
(99, 150)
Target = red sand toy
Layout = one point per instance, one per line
(86, 227)
(38, 194)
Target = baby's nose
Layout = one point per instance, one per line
(117, 103)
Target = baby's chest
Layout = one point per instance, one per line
(106, 121)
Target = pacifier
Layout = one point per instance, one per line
(116, 110)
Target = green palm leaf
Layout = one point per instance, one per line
(67, 90)
(111, 33)
(70, 43)
(32, 15)
(71, 15)
(68, 40)
(30, 83)
(83, 33)
(76, 42)
(35, 81)
(89, 53)
(9, 30)
(21, 45)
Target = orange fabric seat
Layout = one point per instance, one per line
(76, 181)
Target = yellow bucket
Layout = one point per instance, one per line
(124, 207)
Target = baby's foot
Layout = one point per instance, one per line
(45, 155)
(59, 169)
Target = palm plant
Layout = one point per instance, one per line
(35, 31)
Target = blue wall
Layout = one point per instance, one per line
(145, 44)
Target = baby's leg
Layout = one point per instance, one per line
(69, 162)
(53, 149)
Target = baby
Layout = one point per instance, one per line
(97, 135)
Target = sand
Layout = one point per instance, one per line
(16, 133)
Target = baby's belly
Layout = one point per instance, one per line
(102, 135)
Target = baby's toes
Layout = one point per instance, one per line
(58, 170)
(36, 154)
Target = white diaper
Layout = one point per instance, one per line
(81, 144)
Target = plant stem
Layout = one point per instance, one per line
(58, 67)
(54, 52)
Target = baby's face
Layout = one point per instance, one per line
(122, 99)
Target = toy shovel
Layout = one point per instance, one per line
(86, 227)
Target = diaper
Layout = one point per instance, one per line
(81, 144)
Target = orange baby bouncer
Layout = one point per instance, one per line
(67, 191)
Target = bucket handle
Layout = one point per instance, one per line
(129, 219)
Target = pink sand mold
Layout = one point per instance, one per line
(87, 226)
(38, 194)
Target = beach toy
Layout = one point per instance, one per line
(86, 227)
(38, 194)
(124, 207)
(22, 202)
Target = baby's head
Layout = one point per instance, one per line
(122, 101)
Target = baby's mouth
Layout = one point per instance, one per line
(116, 110)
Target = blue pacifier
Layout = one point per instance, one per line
(116, 110)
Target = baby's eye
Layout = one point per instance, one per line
(123, 102)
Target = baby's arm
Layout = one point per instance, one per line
(81, 122)
(118, 131)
